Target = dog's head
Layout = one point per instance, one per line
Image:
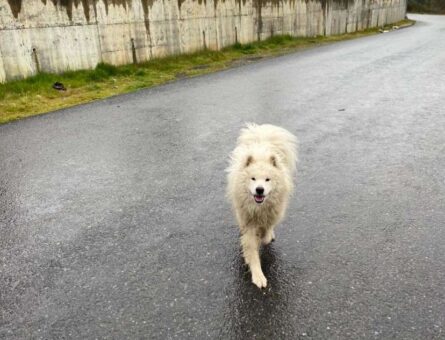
(261, 175)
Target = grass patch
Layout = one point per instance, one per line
(35, 95)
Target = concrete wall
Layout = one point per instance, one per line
(59, 35)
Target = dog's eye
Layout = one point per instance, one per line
(253, 178)
(267, 179)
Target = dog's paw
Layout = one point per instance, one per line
(259, 280)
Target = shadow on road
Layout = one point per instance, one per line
(254, 313)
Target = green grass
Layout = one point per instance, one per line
(35, 95)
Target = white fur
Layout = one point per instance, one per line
(264, 158)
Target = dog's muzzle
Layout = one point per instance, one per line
(259, 196)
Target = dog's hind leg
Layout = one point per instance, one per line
(268, 237)
(250, 243)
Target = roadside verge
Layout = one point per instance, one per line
(48, 92)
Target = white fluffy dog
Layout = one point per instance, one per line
(260, 181)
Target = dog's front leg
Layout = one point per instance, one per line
(250, 243)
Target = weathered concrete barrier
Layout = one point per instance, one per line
(60, 35)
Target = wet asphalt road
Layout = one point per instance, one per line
(114, 225)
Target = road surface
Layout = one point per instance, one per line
(114, 224)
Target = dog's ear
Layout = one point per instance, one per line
(249, 161)
(273, 160)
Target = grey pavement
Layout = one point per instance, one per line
(114, 224)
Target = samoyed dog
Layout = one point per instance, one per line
(260, 181)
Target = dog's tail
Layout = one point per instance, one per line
(281, 140)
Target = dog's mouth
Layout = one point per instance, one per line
(259, 198)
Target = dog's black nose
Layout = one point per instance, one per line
(260, 190)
